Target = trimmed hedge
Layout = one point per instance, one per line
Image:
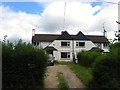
(106, 72)
(23, 66)
(88, 58)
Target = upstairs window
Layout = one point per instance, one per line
(66, 44)
(80, 44)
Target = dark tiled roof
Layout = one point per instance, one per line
(80, 36)
(52, 37)
(96, 49)
(97, 39)
(45, 37)
(50, 48)
(64, 36)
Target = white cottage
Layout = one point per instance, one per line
(65, 46)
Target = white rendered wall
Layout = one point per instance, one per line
(44, 44)
(57, 44)
(88, 46)
(106, 49)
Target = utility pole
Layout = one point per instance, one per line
(64, 15)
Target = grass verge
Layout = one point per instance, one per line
(62, 83)
(83, 73)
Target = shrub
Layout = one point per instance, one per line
(23, 66)
(88, 58)
(106, 72)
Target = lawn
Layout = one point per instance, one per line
(83, 73)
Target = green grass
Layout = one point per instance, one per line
(62, 83)
(83, 73)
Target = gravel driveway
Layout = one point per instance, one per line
(51, 80)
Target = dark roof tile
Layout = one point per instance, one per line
(50, 48)
(97, 39)
(80, 36)
(96, 49)
(44, 37)
(66, 36)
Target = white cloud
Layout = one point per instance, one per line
(77, 14)
(108, 16)
(16, 25)
(79, 17)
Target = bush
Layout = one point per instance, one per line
(23, 66)
(106, 72)
(88, 58)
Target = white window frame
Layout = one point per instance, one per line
(36, 43)
(78, 45)
(68, 55)
(67, 45)
(105, 45)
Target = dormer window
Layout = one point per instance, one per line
(65, 44)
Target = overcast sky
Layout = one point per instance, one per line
(17, 19)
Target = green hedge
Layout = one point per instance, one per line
(106, 72)
(23, 66)
(88, 58)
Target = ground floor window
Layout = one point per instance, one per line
(65, 55)
(105, 45)
(36, 43)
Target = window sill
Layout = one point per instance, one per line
(80, 47)
(65, 46)
(65, 58)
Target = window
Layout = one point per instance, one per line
(65, 43)
(65, 55)
(80, 44)
(105, 45)
(36, 43)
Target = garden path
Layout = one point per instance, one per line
(51, 80)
